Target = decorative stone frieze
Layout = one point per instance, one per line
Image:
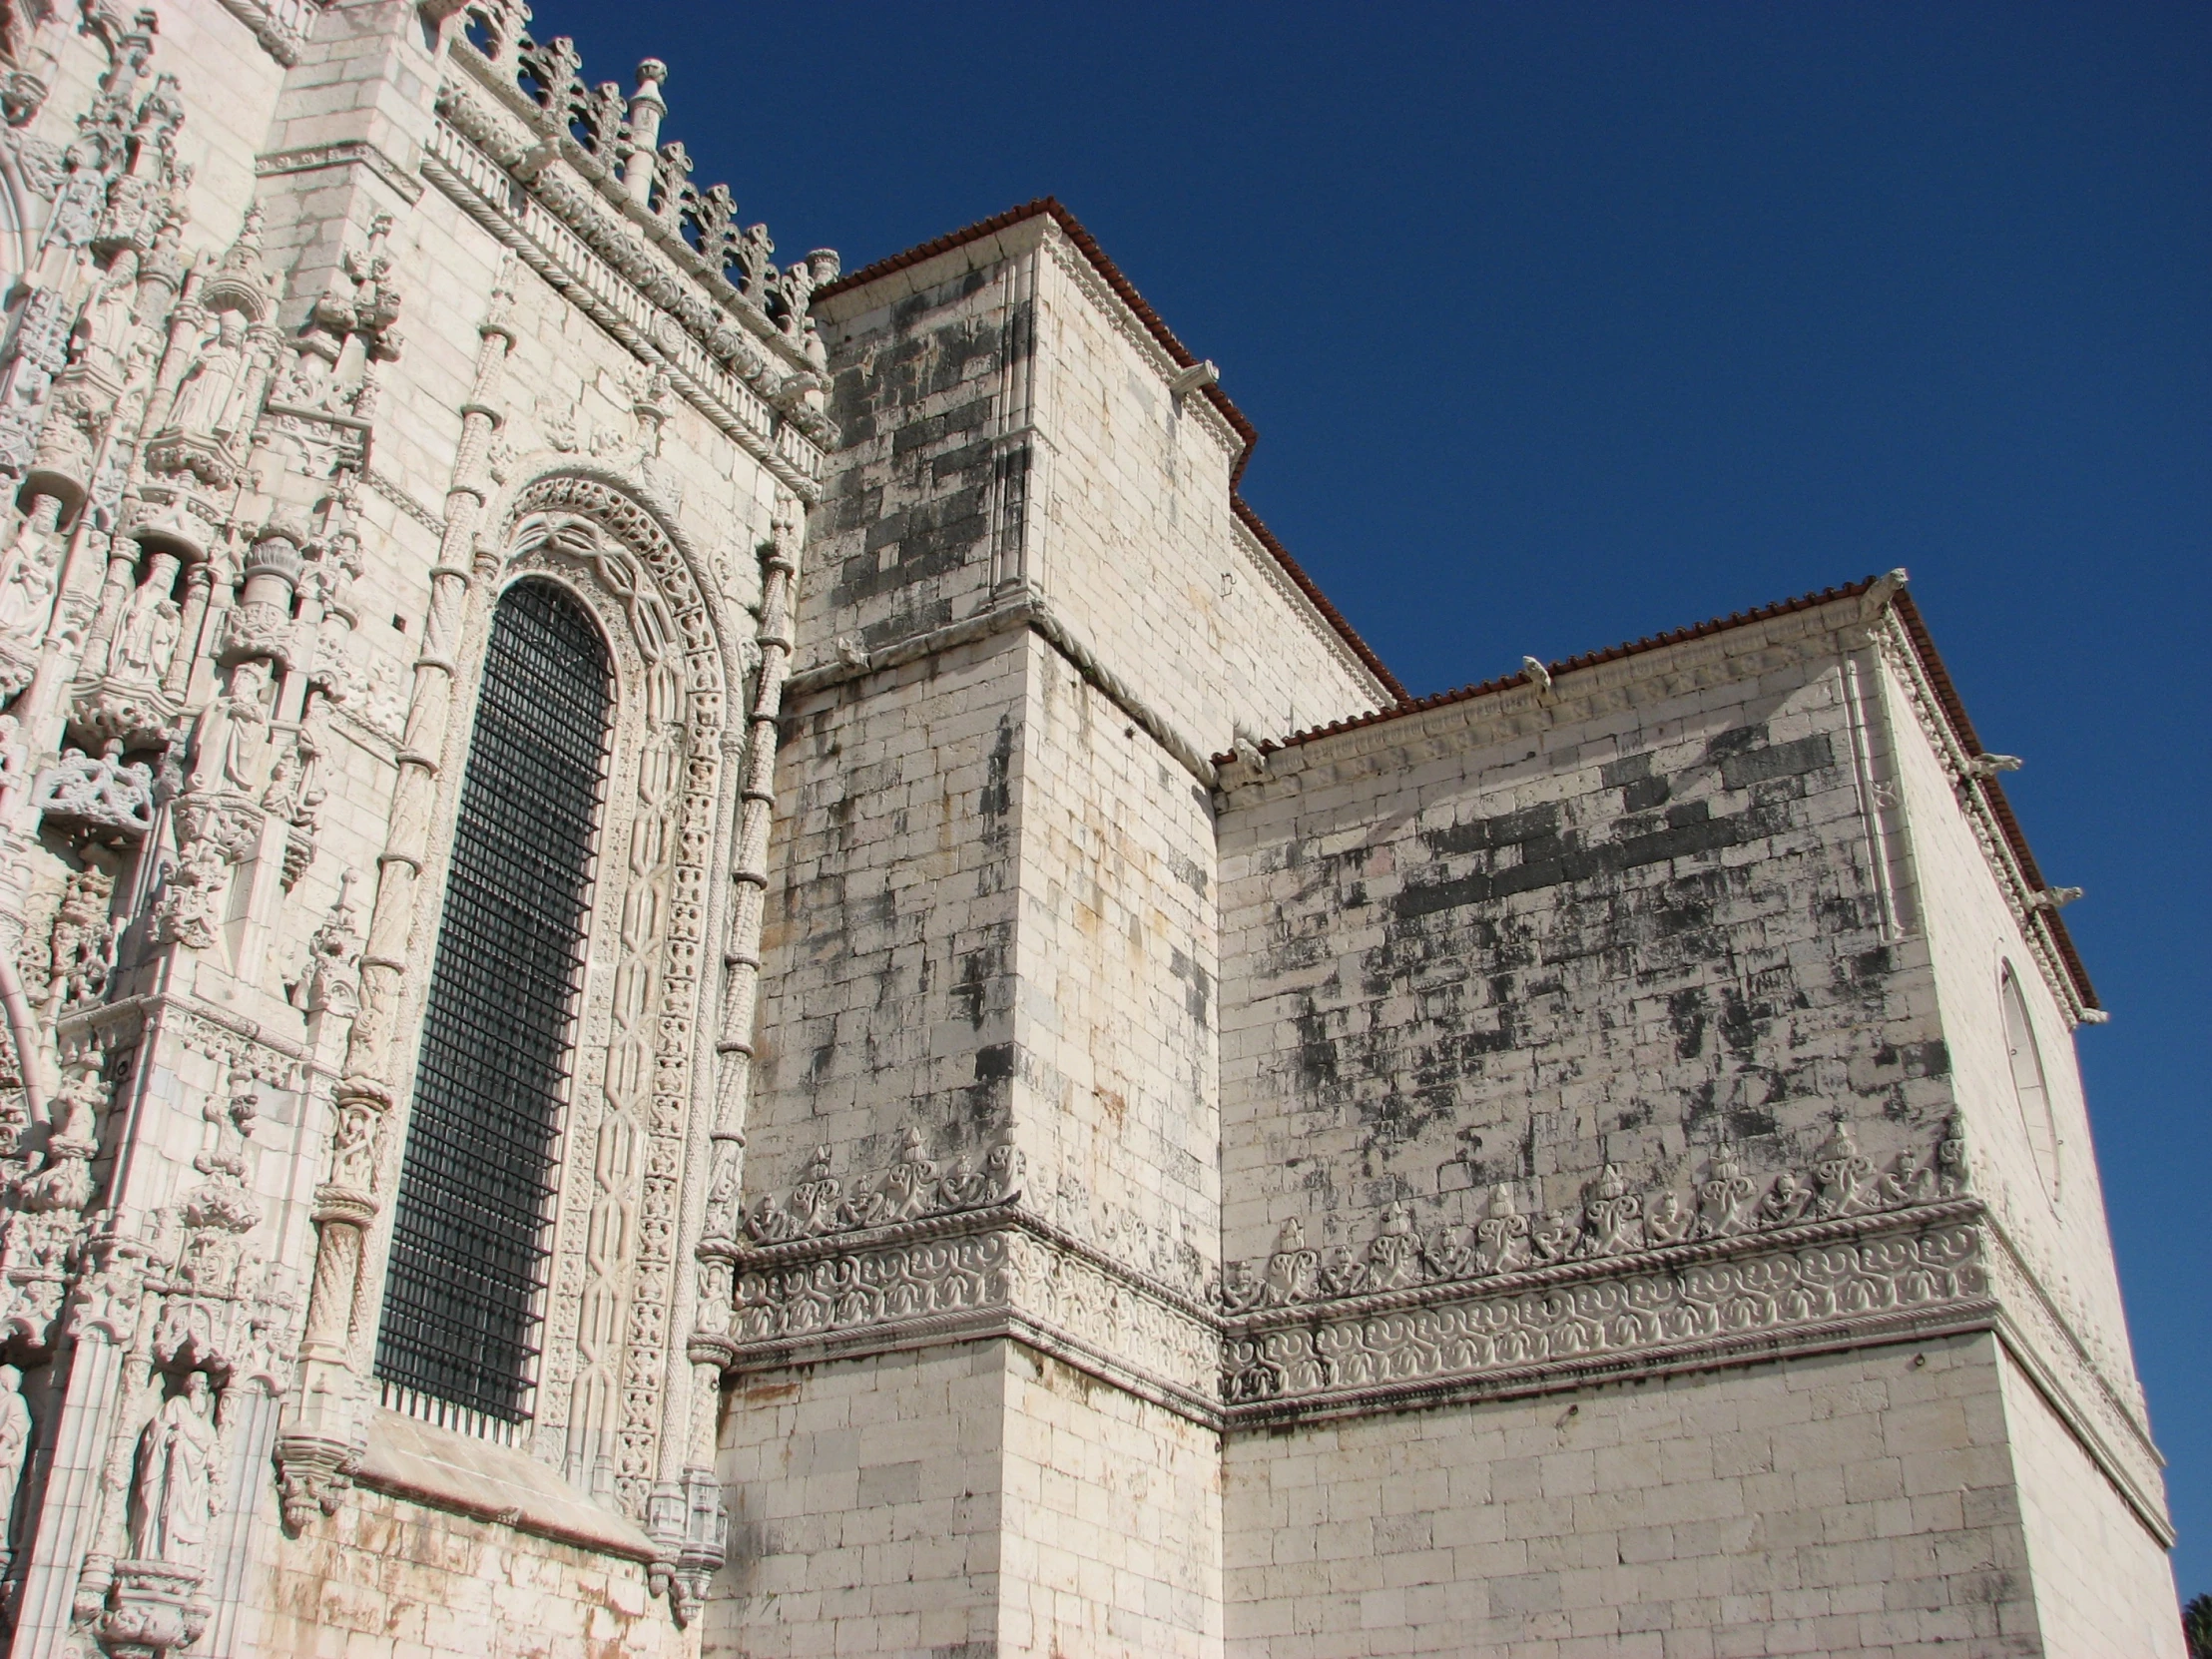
(912, 1185)
(1612, 1220)
(914, 1255)
(1807, 1283)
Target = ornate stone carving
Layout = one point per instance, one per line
(81, 945)
(1612, 1220)
(331, 982)
(911, 1186)
(1726, 1293)
(613, 143)
(973, 1273)
(43, 1228)
(107, 799)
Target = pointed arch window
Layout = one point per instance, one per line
(470, 1250)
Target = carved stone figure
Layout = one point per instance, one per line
(204, 403)
(81, 196)
(177, 1494)
(354, 1147)
(110, 326)
(147, 635)
(26, 577)
(15, 1449)
(230, 743)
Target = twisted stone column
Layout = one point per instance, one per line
(319, 1442)
(687, 1519)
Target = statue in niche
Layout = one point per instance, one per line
(26, 581)
(110, 321)
(146, 638)
(246, 746)
(15, 1448)
(231, 740)
(205, 400)
(175, 1497)
(26, 590)
(81, 196)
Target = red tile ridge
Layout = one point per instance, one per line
(1183, 356)
(1588, 659)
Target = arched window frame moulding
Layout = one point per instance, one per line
(677, 662)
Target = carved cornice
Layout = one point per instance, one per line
(313, 158)
(1270, 571)
(485, 191)
(1857, 1279)
(1911, 675)
(1005, 1274)
(280, 26)
(963, 1276)
(1094, 288)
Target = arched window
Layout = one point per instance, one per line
(468, 1247)
(2028, 1086)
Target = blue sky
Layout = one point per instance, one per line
(1567, 323)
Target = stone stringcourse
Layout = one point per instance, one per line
(917, 1252)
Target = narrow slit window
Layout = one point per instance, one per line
(469, 1251)
(2029, 1088)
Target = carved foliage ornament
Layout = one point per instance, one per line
(1612, 1220)
(911, 1186)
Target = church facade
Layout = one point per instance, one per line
(708, 956)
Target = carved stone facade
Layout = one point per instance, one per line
(1039, 1142)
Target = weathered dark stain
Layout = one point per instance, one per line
(1782, 760)
(1198, 987)
(1686, 1014)
(1646, 910)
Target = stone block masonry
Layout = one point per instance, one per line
(1088, 1124)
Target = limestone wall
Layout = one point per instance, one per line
(868, 1499)
(888, 980)
(1117, 1005)
(971, 1493)
(2103, 1589)
(903, 540)
(2041, 1178)
(1854, 1503)
(1507, 945)
(1139, 549)
(391, 1579)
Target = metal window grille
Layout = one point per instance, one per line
(468, 1252)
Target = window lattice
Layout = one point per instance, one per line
(468, 1250)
